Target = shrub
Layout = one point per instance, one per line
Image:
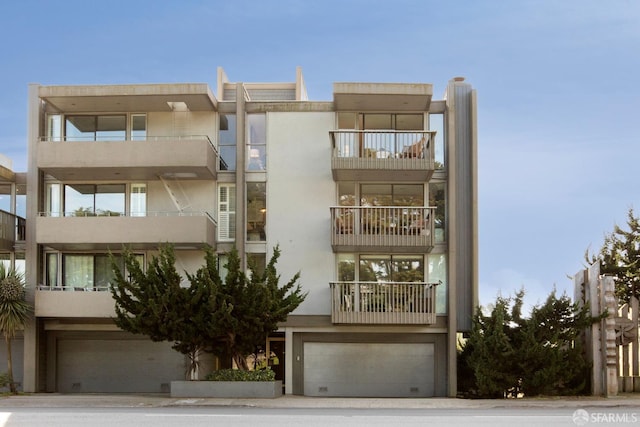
(241, 375)
(5, 380)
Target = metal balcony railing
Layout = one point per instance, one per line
(383, 303)
(382, 226)
(382, 144)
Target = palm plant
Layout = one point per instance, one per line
(14, 311)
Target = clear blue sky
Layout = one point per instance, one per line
(557, 82)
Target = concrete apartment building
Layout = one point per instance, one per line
(371, 195)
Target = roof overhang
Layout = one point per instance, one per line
(128, 98)
(382, 96)
(7, 175)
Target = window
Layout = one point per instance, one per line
(96, 128)
(226, 212)
(256, 211)
(227, 142)
(391, 268)
(138, 127)
(5, 197)
(258, 261)
(83, 271)
(437, 200)
(54, 127)
(436, 122)
(407, 268)
(51, 270)
(437, 273)
(94, 199)
(256, 142)
(392, 195)
(138, 199)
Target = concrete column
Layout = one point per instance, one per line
(241, 198)
(30, 377)
(451, 233)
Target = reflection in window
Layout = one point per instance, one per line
(96, 128)
(256, 262)
(5, 197)
(256, 142)
(437, 200)
(392, 268)
(138, 127)
(438, 273)
(256, 211)
(227, 142)
(94, 199)
(391, 195)
(54, 127)
(436, 122)
(346, 267)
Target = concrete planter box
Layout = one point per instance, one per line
(227, 389)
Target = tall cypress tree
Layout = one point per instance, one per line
(229, 317)
(508, 353)
(620, 257)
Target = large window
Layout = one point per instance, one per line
(391, 268)
(94, 199)
(107, 127)
(437, 200)
(400, 268)
(227, 142)
(256, 211)
(392, 195)
(96, 128)
(82, 271)
(436, 122)
(256, 142)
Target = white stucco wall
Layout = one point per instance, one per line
(300, 190)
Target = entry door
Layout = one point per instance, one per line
(276, 345)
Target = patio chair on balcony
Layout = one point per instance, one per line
(415, 150)
(344, 224)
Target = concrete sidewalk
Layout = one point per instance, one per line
(54, 400)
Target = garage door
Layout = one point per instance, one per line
(112, 366)
(369, 369)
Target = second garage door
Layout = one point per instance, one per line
(369, 369)
(116, 366)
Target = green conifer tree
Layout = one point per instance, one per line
(620, 257)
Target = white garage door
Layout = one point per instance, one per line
(112, 366)
(369, 369)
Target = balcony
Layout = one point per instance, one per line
(392, 303)
(182, 157)
(12, 230)
(100, 232)
(392, 229)
(364, 155)
(74, 302)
